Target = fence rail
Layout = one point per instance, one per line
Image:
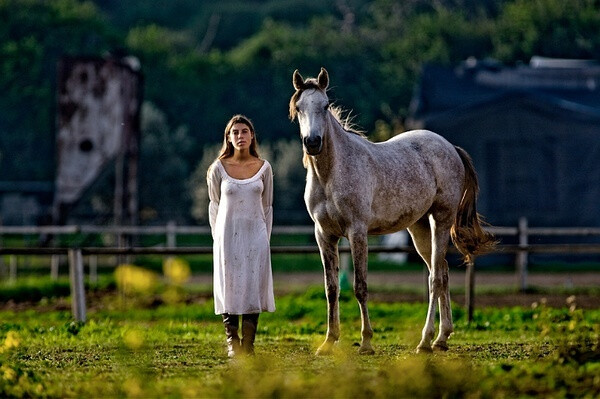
(75, 254)
(292, 249)
(169, 228)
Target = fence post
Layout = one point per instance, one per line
(470, 290)
(3, 271)
(54, 265)
(77, 289)
(12, 269)
(93, 264)
(522, 256)
(171, 235)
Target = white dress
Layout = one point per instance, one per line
(241, 218)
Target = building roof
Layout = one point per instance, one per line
(572, 85)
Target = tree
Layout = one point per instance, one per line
(164, 168)
(33, 35)
(551, 28)
(197, 183)
(288, 181)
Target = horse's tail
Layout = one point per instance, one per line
(467, 234)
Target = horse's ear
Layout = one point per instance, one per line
(298, 80)
(323, 79)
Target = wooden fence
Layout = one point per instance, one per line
(522, 250)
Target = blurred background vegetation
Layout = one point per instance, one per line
(203, 61)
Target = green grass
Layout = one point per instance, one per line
(131, 347)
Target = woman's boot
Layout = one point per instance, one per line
(231, 323)
(249, 326)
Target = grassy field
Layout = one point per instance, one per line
(169, 343)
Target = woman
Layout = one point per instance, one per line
(240, 189)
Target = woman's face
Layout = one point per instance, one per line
(240, 136)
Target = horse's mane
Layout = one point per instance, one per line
(345, 119)
(342, 116)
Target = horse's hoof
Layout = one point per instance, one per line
(424, 349)
(324, 350)
(366, 350)
(440, 346)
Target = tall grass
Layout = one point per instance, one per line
(133, 346)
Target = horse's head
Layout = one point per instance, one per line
(310, 105)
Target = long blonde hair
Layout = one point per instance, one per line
(227, 149)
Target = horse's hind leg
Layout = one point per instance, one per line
(329, 257)
(446, 327)
(441, 237)
(358, 243)
(421, 236)
(430, 238)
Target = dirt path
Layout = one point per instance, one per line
(391, 279)
(457, 279)
(406, 287)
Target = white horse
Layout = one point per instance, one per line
(416, 180)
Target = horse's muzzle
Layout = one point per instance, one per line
(313, 145)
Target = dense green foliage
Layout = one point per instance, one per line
(33, 35)
(204, 61)
(132, 348)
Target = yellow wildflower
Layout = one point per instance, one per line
(12, 340)
(177, 270)
(131, 278)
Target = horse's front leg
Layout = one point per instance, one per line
(359, 247)
(329, 256)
